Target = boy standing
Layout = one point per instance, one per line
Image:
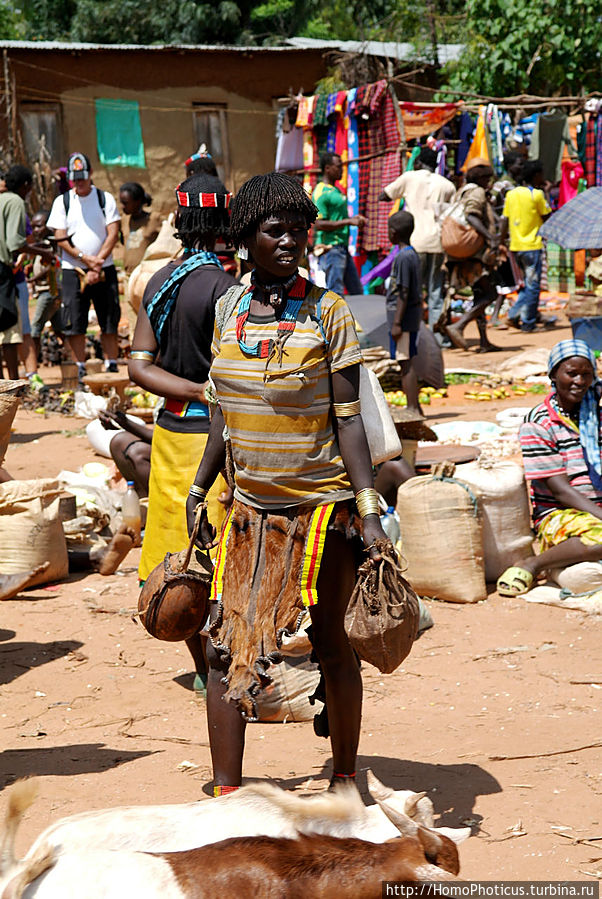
(404, 305)
(525, 210)
(44, 283)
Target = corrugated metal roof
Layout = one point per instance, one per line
(71, 46)
(391, 49)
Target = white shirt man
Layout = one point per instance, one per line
(86, 226)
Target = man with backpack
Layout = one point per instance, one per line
(86, 225)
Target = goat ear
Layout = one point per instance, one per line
(404, 825)
(377, 789)
(456, 834)
(431, 842)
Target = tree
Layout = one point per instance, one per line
(541, 47)
(12, 23)
(48, 20)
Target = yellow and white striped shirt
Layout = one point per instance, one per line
(278, 413)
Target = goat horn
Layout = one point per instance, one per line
(404, 825)
(411, 804)
(377, 789)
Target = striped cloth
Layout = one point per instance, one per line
(550, 447)
(278, 414)
(590, 151)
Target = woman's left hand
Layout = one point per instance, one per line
(373, 530)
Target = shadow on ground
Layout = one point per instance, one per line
(18, 658)
(62, 761)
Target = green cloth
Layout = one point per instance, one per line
(332, 206)
(118, 133)
(12, 226)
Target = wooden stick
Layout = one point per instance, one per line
(543, 755)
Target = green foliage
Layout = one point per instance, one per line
(12, 22)
(530, 46)
(512, 46)
(48, 20)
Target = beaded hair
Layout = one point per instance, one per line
(263, 196)
(198, 223)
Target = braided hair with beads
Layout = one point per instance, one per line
(263, 196)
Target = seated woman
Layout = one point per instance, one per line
(560, 442)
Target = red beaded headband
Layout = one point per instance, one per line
(210, 201)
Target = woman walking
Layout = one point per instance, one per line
(286, 374)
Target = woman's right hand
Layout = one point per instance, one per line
(206, 534)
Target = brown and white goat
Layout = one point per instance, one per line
(272, 866)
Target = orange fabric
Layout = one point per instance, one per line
(478, 147)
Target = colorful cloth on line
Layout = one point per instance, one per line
(162, 304)
(562, 524)
(278, 410)
(590, 151)
(599, 150)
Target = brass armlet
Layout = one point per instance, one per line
(342, 410)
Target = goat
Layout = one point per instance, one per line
(257, 809)
(312, 864)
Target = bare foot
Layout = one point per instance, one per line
(117, 550)
(456, 337)
(11, 584)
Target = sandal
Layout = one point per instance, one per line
(514, 581)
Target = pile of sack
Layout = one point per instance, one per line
(461, 528)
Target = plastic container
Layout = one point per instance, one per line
(588, 329)
(130, 511)
(390, 524)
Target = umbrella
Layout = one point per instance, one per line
(578, 224)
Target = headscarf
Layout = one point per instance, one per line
(589, 423)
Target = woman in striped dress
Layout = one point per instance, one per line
(286, 374)
(561, 442)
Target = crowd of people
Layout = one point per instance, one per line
(260, 423)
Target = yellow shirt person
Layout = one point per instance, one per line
(525, 208)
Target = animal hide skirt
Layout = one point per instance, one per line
(266, 574)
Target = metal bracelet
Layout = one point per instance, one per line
(342, 410)
(144, 355)
(367, 502)
(198, 492)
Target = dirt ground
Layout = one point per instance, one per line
(496, 712)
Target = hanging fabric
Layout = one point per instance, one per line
(572, 172)
(479, 147)
(426, 118)
(353, 185)
(550, 136)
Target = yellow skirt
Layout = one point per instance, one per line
(561, 524)
(174, 462)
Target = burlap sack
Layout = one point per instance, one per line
(8, 408)
(31, 531)
(504, 505)
(442, 536)
(286, 698)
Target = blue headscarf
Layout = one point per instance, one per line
(589, 423)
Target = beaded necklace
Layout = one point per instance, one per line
(264, 349)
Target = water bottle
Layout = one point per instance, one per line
(390, 524)
(130, 511)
